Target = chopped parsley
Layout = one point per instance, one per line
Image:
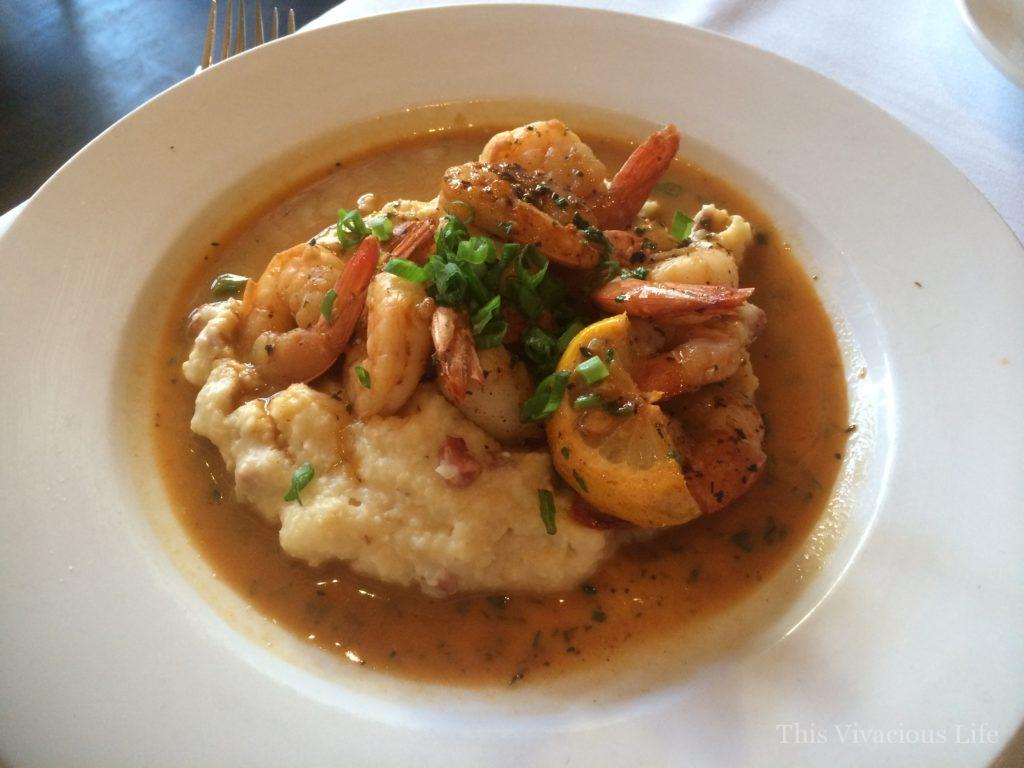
(300, 479)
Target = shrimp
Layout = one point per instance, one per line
(634, 182)
(549, 147)
(410, 238)
(694, 335)
(701, 354)
(457, 361)
(396, 348)
(517, 205)
(486, 385)
(281, 326)
(641, 298)
(718, 434)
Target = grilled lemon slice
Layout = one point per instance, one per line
(610, 444)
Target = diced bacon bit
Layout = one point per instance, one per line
(586, 515)
(456, 464)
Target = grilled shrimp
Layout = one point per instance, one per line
(282, 329)
(718, 433)
(550, 148)
(517, 205)
(621, 203)
(685, 336)
(395, 349)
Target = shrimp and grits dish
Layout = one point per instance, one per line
(527, 400)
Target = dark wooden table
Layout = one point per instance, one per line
(71, 68)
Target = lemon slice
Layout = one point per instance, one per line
(617, 455)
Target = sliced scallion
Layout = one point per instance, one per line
(544, 401)
(363, 375)
(547, 510)
(228, 285)
(407, 270)
(592, 370)
(327, 305)
(583, 402)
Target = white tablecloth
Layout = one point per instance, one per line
(913, 58)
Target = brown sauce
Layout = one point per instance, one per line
(672, 584)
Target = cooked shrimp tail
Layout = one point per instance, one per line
(636, 179)
(457, 360)
(410, 238)
(703, 354)
(639, 298)
(302, 354)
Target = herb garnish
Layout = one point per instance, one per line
(544, 401)
(327, 305)
(682, 226)
(592, 370)
(547, 510)
(300, 479)
(363, 375)
(579, 481)
(228, 285)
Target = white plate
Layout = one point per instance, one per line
(110, 656)
(997, 28)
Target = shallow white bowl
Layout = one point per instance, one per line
(111, 650)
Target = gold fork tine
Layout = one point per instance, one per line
(208, 44)
(225, 48)
(239, 44)
(275, 25)
(291, 21)
(258, 23)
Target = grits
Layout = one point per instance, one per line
(377, 500)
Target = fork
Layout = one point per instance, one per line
(234, 40)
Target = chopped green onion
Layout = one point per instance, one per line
(489, 327)
(592, 370)
(407, 270)
(363, 375)
(228, 285)
(672, 455)
(620, 298)
(544, 401)
(540, 347)
(565, 452)
(351, 228)
(669, 188)
(507, 227)
(569, 334)
(381, 228)
(300, 479)
(560, 200)
(483, 315)
(327, 305)
(682, 226)
(579, 481)
(547, 510)
(610, 356)
(598, 616)
(586, 401)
